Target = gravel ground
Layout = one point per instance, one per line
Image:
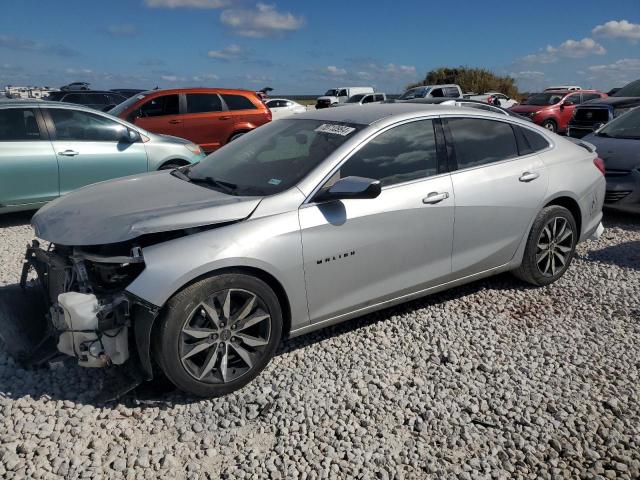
(491, 380)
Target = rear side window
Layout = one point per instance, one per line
(368, 99)
(437, 93)
(238, 102)
(536, 141)
(451, 92)
(379, 98)
(403, 153)
(203, 102)
(478, 141)
(589, 96)
(18, 124)
(159, 106)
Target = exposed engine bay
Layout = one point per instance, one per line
(89, 313)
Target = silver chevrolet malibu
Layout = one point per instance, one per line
(201, 271)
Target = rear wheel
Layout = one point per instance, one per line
(170, 166)
(550, 246)
(550, 125)
(218, 334)
(236, 136)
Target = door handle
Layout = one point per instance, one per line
(435, 197)
(225, 118)
(175, 122)
(69, 153)
(528, 176)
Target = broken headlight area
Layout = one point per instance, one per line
(89, 314)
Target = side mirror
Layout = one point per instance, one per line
(350, 187)
(129, 136)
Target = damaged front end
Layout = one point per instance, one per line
(90, 316)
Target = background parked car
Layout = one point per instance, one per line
(210, 117)
(127, 92)
(49, 149)
(618, 144)
(340, 95)
(432, 91)
(282, 107)
(490, 97)
(76, 86)
(594, 114)
(564, 87)
(552, 109)
(102, 100)
(464, 102)
(364, 98)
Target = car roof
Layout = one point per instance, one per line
(199, 90)
(45, 103)
(372, 113)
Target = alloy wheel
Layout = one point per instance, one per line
(225, 336)
(554, 247)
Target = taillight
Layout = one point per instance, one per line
(269, 114)
(599, 163)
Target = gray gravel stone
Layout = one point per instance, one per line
(489, 380)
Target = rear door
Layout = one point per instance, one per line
(497, 189)
(244, 113)
(161, 114)
(28, 165)
(89, 148)
(206, 121)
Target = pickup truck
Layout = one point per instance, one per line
(335, 96)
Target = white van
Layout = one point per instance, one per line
(340, 95)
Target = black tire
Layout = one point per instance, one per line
(235, 136)
(182, 310)
(171, 166)
(534, 261)
(550, 125)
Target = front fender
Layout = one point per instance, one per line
(271, 244)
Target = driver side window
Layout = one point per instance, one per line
(403, 153)
(159, 106)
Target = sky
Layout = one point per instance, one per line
(307, 47)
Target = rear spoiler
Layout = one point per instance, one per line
(590, 147)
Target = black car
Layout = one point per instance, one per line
(618, 144)
(464, 102)
(98, 99)
(128, 92)
(591, 115)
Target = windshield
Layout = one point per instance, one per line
(630, 90)
(331, 93)
(272, 158)
(545, 98)
(356, 98)
(418, 92)
(121, 107)
(625, 126)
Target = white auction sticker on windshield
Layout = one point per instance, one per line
(335, 129)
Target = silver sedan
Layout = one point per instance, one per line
(304, 223)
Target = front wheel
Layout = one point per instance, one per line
(550, 125)
(550, 246)
(218, 334)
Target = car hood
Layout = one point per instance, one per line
(614, 101)
(126, 208)
(617, 153)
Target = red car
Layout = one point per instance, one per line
(209, 117)
(552, 109)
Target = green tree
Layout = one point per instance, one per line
(478, 80)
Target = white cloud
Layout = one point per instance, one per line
(263, 21)
(615, 74)
(619, 29)
(400, 69)
(78, 71)
(622, 65)
(126, 30)
(204, 77)
(230, 52)
(335, 71)
(187, 3)
(568, 49)
(172, 78)
(528, 75)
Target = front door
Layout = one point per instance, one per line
(498, 192)
(28, 165)
(161, 114)
(361, 252)
(90, 149)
